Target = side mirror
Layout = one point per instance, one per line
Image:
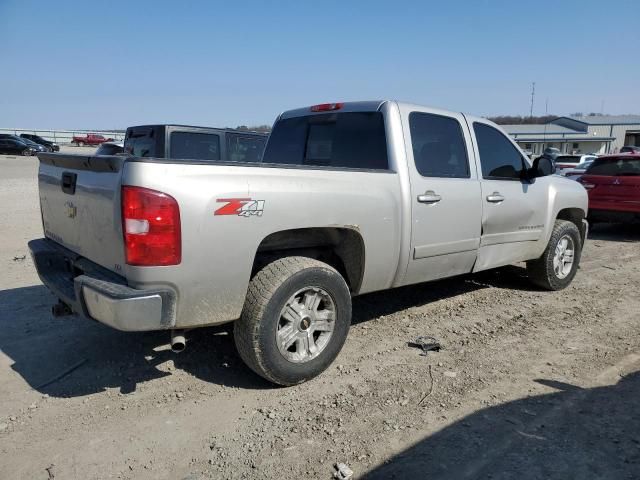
(542, 166)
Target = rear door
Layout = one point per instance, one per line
(445, 194)
(513, 209)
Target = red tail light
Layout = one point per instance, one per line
(151, 226)
(585, 184)
(327, 107)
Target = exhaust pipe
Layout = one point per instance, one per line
(178, 341)
(60, 309)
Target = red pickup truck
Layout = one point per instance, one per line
(90, 139)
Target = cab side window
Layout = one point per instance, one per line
(499, 159)
(245, 148)
(438, 146)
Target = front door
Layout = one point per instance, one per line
(445, 195)
(513, 209)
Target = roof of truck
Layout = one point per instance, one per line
(372, 106)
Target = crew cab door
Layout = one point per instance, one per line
(513, 208)
(445, 194)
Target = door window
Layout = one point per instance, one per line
(438, 146)
(499, 159)
(192, 145)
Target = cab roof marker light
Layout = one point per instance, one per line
(327, 107)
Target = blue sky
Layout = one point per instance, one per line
(79, 64)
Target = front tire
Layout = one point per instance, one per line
(295, 320)
(557, 266)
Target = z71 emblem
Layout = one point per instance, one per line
(243, 207)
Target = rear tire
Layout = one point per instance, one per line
(295, 320)
(557, 266)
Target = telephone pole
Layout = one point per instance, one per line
(533, 94)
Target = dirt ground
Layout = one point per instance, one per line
(529, 384)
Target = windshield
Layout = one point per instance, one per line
(615, 167)
(584, 164)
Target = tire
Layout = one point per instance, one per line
(551, 271)
(27, 153)
(264, 329)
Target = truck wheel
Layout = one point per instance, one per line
(295, 320)
(557, 266)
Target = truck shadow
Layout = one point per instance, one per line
(42, 348)
(89, 357)
(615, 232)
(574, 433)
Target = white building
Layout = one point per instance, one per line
(591, 134)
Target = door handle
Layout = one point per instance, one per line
(429, 197)
(495, 197)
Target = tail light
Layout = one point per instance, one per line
(327, 107)
(586, 184)
(151, 226)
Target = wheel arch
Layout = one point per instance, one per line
(576, 216)
(341, 247)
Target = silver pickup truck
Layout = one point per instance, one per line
(349, 198)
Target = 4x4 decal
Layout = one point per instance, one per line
(243, 207)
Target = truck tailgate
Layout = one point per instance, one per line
(80, 204)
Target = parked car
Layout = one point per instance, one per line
(630, 149)
(12, 146)
(36, 146)
(567, 162)
(579, 170)
(91, 139)
(349, 198)
(197, 143)
(110, 148)
(613, 185)
(53, 147)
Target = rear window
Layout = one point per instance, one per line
(245, 148)
(191, 145)
(347, 140)
(109, 149)
(615, 167)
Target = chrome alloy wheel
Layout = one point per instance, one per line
(563, 257)
(306, 324)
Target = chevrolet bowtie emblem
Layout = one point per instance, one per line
(71, 210)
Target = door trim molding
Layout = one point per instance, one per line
(446, 248)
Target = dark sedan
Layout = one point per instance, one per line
(51, 146)
(11, 146)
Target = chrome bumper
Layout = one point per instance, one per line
(96, 293)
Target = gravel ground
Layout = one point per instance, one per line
(529, 384)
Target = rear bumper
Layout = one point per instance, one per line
(97, 293)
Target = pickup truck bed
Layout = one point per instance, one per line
(348, 199)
